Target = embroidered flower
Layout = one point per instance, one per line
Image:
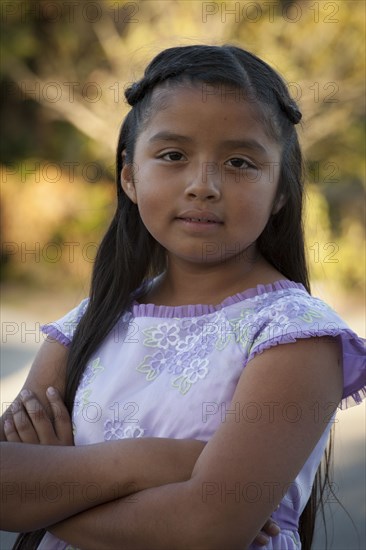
(112, 430)
(86, 379)
(162, 336)
(83, 392)
(180, 361)
(133, 431)
(198, 369)
(153, 365)
(186, 343)
(161, 359)
(195, 326)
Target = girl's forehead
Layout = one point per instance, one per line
(204, 97)
(216, 108)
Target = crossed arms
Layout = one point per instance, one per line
(151, 489)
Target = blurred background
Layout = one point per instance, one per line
(64, 69)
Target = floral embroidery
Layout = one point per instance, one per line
(133, 431)
(179, 362)
(153, 365)
(114, 429)
(197, 370)
(195, 326)
(183, 345)
(284, 318)
(187, 343)
(310, 315)
(162, 336)
(237, 330)
(182, 350)
(83, 392)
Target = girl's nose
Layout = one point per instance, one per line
(205, 183)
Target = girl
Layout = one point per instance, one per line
(192, 425)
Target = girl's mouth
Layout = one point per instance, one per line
(198, 216)
(199, 220)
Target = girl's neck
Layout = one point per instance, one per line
(189, 284)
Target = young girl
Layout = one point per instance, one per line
(192, 425)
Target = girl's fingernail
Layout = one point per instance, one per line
(15, 406)
(274, 529)
(51, 392)
(8, 425)
(24, 394)
(262, 539)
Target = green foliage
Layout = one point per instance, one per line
(52, 226)
(334, 259)
(64, 69)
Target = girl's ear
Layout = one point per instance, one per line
(127, 182)
(278, 204)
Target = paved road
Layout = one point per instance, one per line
(346, 532)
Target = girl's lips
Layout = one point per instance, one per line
(199, 220)
(199, 224)
(199, 216)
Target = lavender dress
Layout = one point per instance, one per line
(171, 372)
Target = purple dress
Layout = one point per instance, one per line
(167, 371)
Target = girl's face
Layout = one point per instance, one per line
(205, 175)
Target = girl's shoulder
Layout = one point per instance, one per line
(287, 313)
(63, 329)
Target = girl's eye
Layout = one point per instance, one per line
(172, 156)
(237, 162)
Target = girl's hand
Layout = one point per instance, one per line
(269, 529)
(30, 422)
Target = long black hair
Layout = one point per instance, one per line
(128, 255)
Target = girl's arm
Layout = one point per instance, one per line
(42, 485)
(244, 470)
(45, 484)
(31, 424)
(49, 370)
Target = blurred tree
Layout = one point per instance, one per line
(65, 66)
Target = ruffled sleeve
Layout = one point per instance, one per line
(63, 329)
(294, 314)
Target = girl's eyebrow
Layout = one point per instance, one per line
(245, 144)
(251, 144)
(169, 136)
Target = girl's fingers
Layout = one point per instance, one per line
(39, 420)
(10, 431)
(62, 421)
(23, 424)
(261, 539)
(271, 528)
(32, 424)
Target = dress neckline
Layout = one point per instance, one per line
(196, 310)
